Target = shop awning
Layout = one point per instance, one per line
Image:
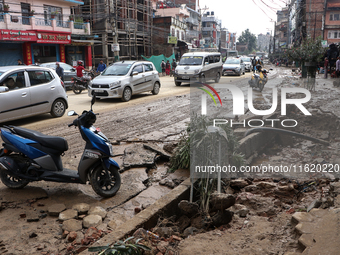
(86, 41)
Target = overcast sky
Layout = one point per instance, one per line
(238, 15)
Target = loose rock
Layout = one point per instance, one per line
(55, 209)
(68, 214)
(92, 220)
(81, 208)
(188, 208)
(72, 225)
(221, 201)
(97, 210)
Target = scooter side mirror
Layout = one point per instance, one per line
(271, 69)
(71, 113)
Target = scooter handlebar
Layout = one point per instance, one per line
(70, 125)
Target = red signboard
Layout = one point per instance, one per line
(55, 38)
(17, 35)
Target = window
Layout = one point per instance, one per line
(39, 77)
(148, 67)
(172, 32)
(177, 34)
(138, 69)
(25, 13)
(333, 34)
(53, 9)
(334, 16)
(15, 81)
(217, 58)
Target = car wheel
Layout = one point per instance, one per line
(156, 87)
(58, 108)
(202, 79)
(127, 93)
(217, 79)
(11, 181)
(177, 83)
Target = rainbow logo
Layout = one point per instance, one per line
(209, 93)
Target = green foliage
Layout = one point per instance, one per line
(126, 247)
(248, 37)
(309, 51)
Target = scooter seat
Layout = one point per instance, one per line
(54, 142)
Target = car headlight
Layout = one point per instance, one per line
(116, 83)
(110, 148)
(90, 83)
(176, 71)
(197, 71)
(237, 69)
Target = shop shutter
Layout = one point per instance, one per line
(10, 53)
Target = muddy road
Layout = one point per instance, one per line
(154, 119)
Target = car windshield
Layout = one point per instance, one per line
(1, 73)
(190, 61)
(232, 61)
(246, 59)
(117, 70)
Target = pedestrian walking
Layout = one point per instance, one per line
(173, 67)
(326, 67)
(167, 67)
(60, 71)
(253, 62)
(101, 66)
(163, 67)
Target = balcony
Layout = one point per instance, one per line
(208, 19)
(15, 22)
(208, 29)
(192, 21)
(193, 34)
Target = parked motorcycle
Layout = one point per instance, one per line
(258, 80)
(28, 156)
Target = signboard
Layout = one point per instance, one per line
(172, 39)
(17, 35)
(324, 43)
(115, 47)
(58, 38)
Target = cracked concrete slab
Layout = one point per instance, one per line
(137, 156)
(319, 231)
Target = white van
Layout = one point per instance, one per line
(199, 66)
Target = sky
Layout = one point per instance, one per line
(238, 15)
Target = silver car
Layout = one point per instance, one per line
(247, 63)
(233, 66)
(30, 90)
(124, 79)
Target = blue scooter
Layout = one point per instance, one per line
(28, 155)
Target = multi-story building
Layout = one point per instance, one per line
(332, 22)
(211, 28)
(193, 27)
(124, 28)
(164, 27)
(281, 30)
(42, 32)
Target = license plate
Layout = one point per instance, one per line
(185, 77)
(98, 91)
(229, 70)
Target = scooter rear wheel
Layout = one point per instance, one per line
(103, 184)
(11, 181)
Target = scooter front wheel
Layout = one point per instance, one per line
(11, 181)
(105, 183)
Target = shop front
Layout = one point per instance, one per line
(49, 47)
(12, 44)
(32, 46)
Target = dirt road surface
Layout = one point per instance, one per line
(146, 117)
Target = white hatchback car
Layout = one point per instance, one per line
(124, 79)
(30, 90)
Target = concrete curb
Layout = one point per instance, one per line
(149, 216)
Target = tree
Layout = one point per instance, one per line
(249, 38)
